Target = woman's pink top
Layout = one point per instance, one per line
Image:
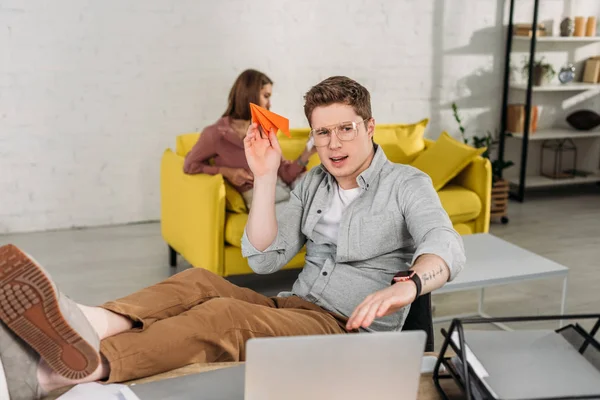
(222, 144)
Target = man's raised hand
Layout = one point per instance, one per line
(262, 152)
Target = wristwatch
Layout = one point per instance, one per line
(301, 163)
(404, 276)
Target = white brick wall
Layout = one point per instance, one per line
(92, 92)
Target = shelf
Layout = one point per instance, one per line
(574, 90)
(534, 181)
(545, 134)
(567, 87)
(559, 39)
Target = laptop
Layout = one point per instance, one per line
(382, 366)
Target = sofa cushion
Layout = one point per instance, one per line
(461, 204)
(445, 159)
(313, 161)
(184, 143)
(291, 148)
(464, 229)
(234, 201)
(234, 228)
(401, 143)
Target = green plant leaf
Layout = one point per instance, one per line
(485, 140)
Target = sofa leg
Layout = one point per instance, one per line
(172, 257)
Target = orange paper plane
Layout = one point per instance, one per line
(268, 120)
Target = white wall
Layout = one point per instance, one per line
(92, 92)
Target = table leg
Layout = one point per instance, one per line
(481, 298)
(484, 315)
(479, 313)
(563, 303)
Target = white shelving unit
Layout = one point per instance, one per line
(559, 39)
(567, 87)
(539, 181)
(520, 176)
(549, 134)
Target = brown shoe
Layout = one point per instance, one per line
(51, 323)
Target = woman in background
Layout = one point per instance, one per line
(223, 141)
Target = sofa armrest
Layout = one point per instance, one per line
(477, 176)
(192, 213)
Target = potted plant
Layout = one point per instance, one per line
(500, 187)
(542, 71)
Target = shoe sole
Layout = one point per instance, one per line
(29, 307)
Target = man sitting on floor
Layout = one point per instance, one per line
(376, 238)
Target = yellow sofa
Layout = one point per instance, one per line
(198, 223)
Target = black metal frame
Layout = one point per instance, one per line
(469, 374)
(520, 195)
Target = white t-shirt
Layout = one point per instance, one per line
(329, 223)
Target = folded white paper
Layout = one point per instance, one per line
(94, 391)
(478, 368)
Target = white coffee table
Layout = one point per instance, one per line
(492, 261)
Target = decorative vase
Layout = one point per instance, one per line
(567, 27)
(538, 75)
(590, 26)
(580, 23)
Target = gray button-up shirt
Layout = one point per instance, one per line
(396, 218)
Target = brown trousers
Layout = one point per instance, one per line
(199, 317)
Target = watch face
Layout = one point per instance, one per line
(403, 276)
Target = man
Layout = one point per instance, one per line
(376, 236)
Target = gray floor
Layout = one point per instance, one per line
(95, 265)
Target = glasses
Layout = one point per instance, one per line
(345, 132)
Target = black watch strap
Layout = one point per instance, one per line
(404, 276)
(415, 278)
